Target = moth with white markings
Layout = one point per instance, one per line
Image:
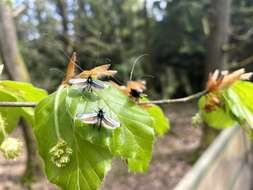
(98, 118)
(88, 83)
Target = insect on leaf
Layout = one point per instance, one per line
(88, 163)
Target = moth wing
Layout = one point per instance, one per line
(84, 74)
(105, 73)
(101, 68)
(87, 118)
(110, 123)
(77, 81)
(93, 72)
(70, 69)
(137, 85)
(98, 84)
(98, 72)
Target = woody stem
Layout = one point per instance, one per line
(177, 100)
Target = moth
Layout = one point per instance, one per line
(98, 118)
(89, 79)
(88, 83)
(134, 89)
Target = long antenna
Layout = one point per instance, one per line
(135, 62)
(66, 55)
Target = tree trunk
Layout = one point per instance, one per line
(61, 7)
(147, 63)
(8, 41)
(16, 70)
(219, 21)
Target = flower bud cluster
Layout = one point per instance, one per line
(11, 148)
(61, 154)
(197, 120)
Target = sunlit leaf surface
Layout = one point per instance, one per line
(93, 148)
(18, 92)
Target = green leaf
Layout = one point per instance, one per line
(10, 120)
(219, 118)
(92, 148)
(161, 126)
(18, 92)
(133, 140)
(237, 108)
(244, 90)
(88, 162)
(161, 123)
(238, 98)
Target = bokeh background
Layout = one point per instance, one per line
(168, 39)
(174, 44)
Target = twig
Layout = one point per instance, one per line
(18, 104)
(177, 100)
(243, 63)
(167, 101)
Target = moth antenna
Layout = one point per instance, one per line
(135, 62)
(56, 70)
(148, 76)
(69, 57)
(79, 67)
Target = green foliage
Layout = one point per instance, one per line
(161, 123)
(93, 148)
(18, 92)
(219, 118)
(236, 107)
(88, 163)
(239, 98)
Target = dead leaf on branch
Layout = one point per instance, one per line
(218, 81)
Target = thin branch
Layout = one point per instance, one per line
(177, 100)
(18, 104)
(167, 101)
(243, 63)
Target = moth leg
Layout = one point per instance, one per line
(100, 124)
(84, 89)
(89, 88)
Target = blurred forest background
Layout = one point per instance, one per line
(175, 42)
